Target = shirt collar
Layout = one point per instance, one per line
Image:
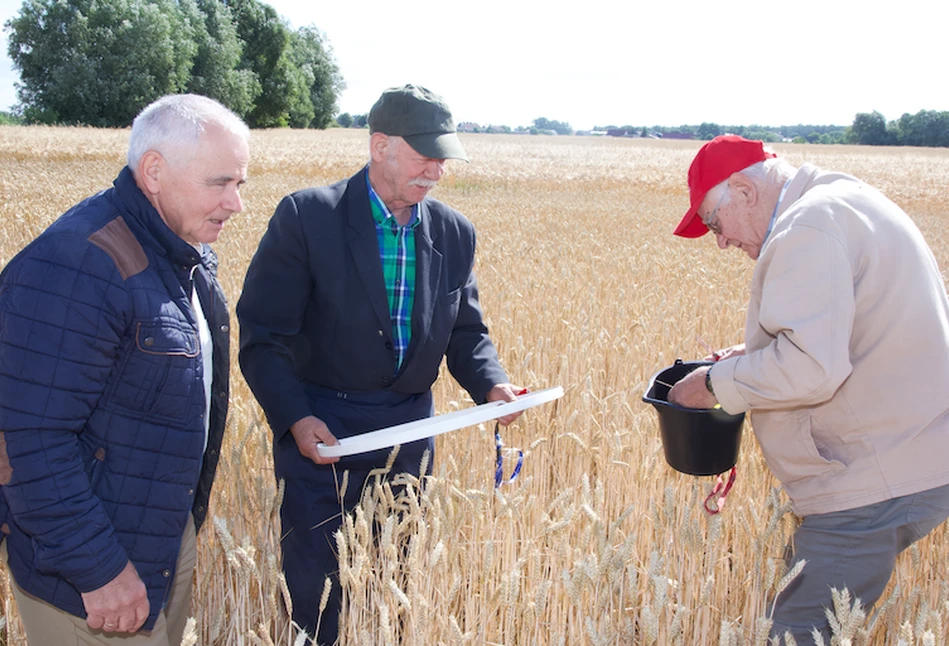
(381, 213)
(774, 214)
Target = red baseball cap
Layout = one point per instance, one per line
(713, 164)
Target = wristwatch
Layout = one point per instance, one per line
(708, 381)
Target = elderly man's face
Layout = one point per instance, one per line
(199, 194)
(407, 175)
(732, 223)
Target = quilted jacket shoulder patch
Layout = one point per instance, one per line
(117, 240)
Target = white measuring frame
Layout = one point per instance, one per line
(431, 426)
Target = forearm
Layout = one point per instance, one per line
(49, 498)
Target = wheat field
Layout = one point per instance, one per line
(583, 286)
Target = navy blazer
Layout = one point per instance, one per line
(314, 308)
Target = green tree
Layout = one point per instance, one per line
(98, 62)
(299, 79)
(560, 127)
(925, 128)
(360, 120)
(266, 41)
(761, 133)
(869, 129)
(215, 70)
(709, 131)
(345, 120)
(321, 80)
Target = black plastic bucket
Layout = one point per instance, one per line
(700, 442)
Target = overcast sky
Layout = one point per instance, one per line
(598, 62)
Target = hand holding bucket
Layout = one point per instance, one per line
(701, 442)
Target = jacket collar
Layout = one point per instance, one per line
(141, 215)
(798, 185)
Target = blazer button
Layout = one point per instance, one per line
(166, 573)
(190, 492)
(386, 380)
(388, 345)
(149, 341)
(224, 328)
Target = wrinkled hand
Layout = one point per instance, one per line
(310, 431)
(508, 393)
(120, 606)
(727, 353)
(690, 391)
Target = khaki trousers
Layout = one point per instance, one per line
(47, 625)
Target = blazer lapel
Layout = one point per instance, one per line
(364, 248)
(428, 273)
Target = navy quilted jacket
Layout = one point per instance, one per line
(102, 401)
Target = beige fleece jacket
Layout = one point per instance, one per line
(846, 371)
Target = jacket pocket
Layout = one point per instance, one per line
(787, 442)
(157, 375)
(165, 339)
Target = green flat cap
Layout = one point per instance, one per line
(419, 116)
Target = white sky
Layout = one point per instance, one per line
(601, 62)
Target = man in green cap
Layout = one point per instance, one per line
(355, 295)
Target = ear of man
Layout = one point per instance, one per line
(151, 168)
(744, 190)
(378, 147)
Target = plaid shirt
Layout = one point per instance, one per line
(397, 251)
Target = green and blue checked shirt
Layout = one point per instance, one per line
(397, 251)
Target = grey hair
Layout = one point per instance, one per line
(175, 123)
(774, 170)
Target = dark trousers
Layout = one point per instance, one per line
(312, 505)
(854, 549)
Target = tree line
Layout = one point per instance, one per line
(925, 128)
(99, 62)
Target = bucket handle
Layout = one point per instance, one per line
(721, 488)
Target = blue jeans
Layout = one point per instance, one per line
(854, 549)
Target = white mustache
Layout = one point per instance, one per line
(425, 183)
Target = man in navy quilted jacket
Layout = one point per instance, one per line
(114, 386)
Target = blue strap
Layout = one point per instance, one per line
(499, 470)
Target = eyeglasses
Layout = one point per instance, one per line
(712, 221)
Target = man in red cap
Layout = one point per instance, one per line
(844, 370)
